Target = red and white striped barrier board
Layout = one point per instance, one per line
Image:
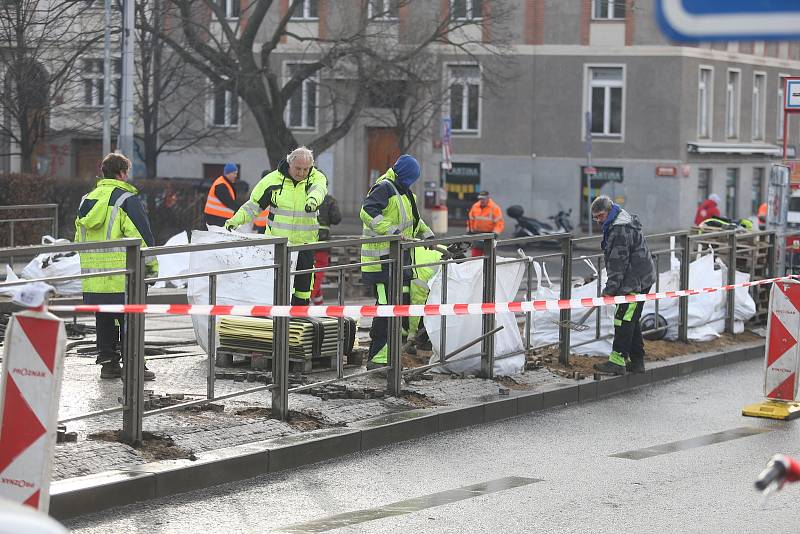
(404, 310)
(783, 333)
(33, 362)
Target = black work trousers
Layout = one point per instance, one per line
(628, 341)
(110, 336)
(301, 293)
(379, 333)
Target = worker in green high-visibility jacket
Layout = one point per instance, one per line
(390, 208)
(292, 194)
(112, 210)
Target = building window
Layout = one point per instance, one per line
(757, 197)
(301, 110)
(732, 100)
(466, 9)
(605, 100)
(224, 108)
(705, 98)
(759, 104)
(382, 9)
(608, 9)
(231, 8)
(781, 104)
(703, 184)
(465, 88)
(308, 10)
(731, 187)
(93, 79)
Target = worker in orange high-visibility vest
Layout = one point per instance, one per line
(221, 201)
(485, 216)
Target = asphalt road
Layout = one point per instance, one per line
(553, 471)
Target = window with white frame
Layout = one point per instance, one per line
(605, 92)
(608, 9)
(382, 9)
(705, 99)
(781, 115)
(92, 74)
(231, 8)
(224, 107)
(759, 104)
(307, 10)
(465, 92)
(732, 100)
(466, 9)
(301, 110)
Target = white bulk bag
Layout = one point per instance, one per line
(56, 264)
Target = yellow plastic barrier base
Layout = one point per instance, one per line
(769, 409)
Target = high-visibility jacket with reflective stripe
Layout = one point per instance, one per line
(488, 219)
(419, 284)
(286, 201)
(214, 205)
(261, 220)
(387, 212)
(112, 210)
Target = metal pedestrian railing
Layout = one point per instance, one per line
(729, 246)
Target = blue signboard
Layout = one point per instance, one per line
(729, 20)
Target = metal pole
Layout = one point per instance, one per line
(488, 322)
(55, 222)
(566, 293)
(395, 374)
(133, 372)
(683, 302)
(771, 256)
(212, 337)
(443, 318)
(528, 295)
(126, 117)
(599, 293)
(340, 328)
(280, 336)
(11, 238)
(107, 80)
(731, 295)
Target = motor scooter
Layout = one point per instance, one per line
(528, 226)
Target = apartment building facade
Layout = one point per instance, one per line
(669, 123)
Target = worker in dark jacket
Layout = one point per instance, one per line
(630, 270)
(329, 215)
(221, 201)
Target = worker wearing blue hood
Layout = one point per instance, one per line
(390, 208)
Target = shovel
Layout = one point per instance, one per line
(580, 325)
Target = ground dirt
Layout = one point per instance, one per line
(581, 366)
(153, 447)
(418, 400)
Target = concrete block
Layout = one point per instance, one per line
(712, 360)
(396, 427)
(500, 409)
(529, 402)
(307, 448)
(665, 372)
(211, 468)
(92, 493)
(587, 391)
(460, 417)
(560, 396)
(689, 367)
(636, 380)
(611, 385)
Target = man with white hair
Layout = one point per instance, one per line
(707, 209)
(292, 194)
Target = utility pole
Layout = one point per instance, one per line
(589, 171)
(126, 118)
(107, 81)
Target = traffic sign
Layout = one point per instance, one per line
(792, 94)
(590, 170)
(708, 20)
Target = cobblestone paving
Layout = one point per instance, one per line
(181, 367)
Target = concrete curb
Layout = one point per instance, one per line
(93, 493)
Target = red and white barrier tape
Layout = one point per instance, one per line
(391, 310)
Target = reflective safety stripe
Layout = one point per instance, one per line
(374, 252)
(481, 218)
(214, 205)
(251, 208)
(103, 250)
(376, 220)
(427, 233)
(403, 214)
(381, 289)
(420, 283)
(295, 214)
(289, 226)
(630, 311)
(122, 198)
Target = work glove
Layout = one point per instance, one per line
(311, 205)
(229, 226)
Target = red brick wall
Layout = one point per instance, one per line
(629, 22)
(534, 22)
(486, 24)
(586, 18)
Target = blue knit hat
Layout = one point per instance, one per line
(230, 167)
(406, 168)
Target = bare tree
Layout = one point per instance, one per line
(167, 91)
(40, 43)
(239, 55)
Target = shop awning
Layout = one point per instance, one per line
(751, 149)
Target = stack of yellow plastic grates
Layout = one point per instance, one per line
(309, 338)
